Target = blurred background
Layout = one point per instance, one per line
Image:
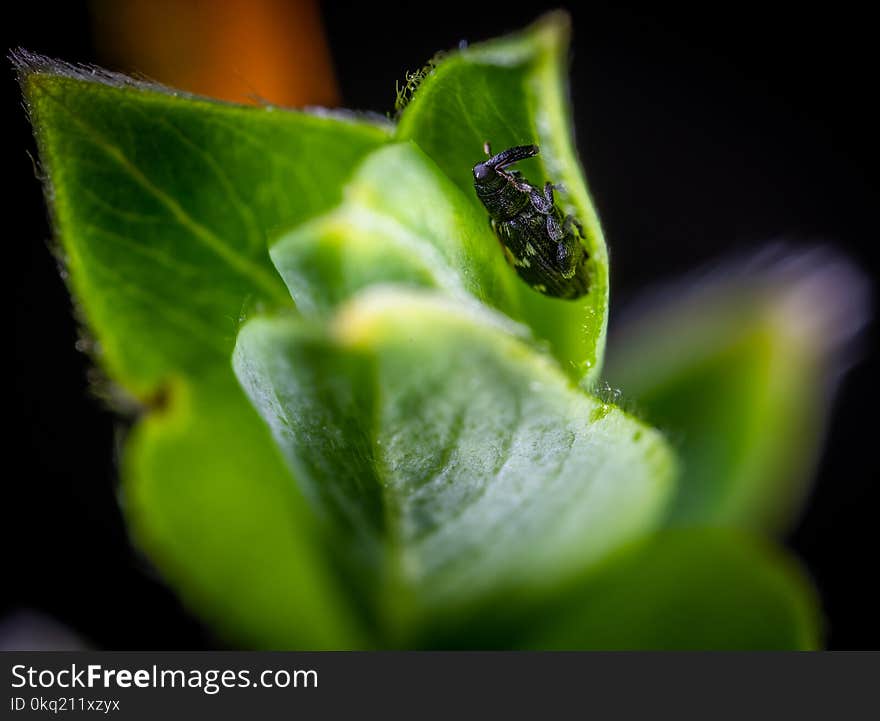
(704, 133)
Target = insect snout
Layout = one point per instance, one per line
(497, 164)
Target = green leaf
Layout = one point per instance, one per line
(686, 589)
(208, 497)
(162, 205)
(510, 92)
(402, 221)
(738, 369)
(398, 462)
(454, 460)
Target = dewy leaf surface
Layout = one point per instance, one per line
(458, 461)
(162, 206)
(512, 91)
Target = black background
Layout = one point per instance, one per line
(703, 132)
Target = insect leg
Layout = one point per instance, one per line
(514, 177)
(542, 203)
(554, 230)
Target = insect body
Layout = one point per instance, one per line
(541, 243)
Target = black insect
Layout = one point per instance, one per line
(542, 244)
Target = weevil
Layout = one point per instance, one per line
(541, 243)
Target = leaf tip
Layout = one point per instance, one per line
(30, 66)
(554, 25)
(24, 61)
(26, 65)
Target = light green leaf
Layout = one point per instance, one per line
(402, 221)
(686, 589)
(453, 459)
(208, 497)
(162, 205)
(512, 91)
(738, 369)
